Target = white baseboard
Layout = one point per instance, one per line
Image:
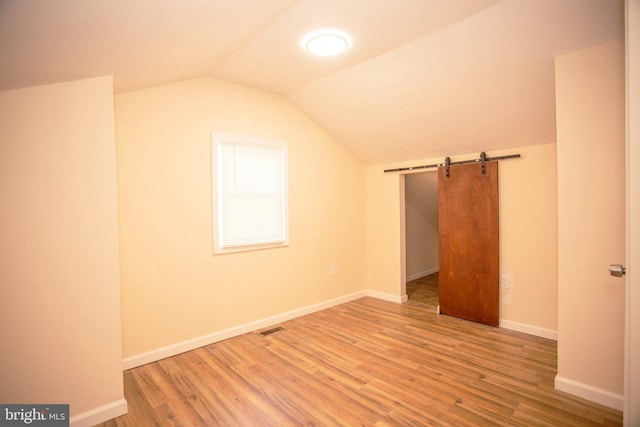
(593, 394)
(192, 344)
(100, 414)
(387, 297)
(529, 329)
(415, 276)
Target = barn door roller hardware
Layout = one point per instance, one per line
(447, 163)
(483, 160)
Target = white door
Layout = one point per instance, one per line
(632, 321)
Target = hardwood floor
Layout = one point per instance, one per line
(367, 362)
(425, 290)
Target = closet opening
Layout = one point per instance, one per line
(421, 238)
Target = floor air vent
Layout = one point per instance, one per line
(272, 331)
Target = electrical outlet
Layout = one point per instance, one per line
(505, 281)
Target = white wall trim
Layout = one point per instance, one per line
(529, 329)
(593, 394)
(192, 344)
(387, 297)
(118, 408)
(415, 276)
(100, 414)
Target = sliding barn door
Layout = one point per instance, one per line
(469, 251)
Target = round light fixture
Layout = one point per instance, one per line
(326, 42)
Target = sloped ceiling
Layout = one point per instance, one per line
(423, 78)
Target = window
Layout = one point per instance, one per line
(249, 193)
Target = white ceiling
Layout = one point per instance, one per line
(424, 78)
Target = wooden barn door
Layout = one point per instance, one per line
(469, 242)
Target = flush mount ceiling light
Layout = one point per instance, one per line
(326, 42)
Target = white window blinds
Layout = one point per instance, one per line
(250, 193)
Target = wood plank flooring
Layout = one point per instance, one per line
(364, 363)
(425, 290)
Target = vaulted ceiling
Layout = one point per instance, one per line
(423, 78)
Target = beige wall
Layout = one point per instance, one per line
(173, 288)
(591, 221)
(421, 224)
(385, 228)
(528, 235)
(60, 315)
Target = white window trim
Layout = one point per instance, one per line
(217, 139)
